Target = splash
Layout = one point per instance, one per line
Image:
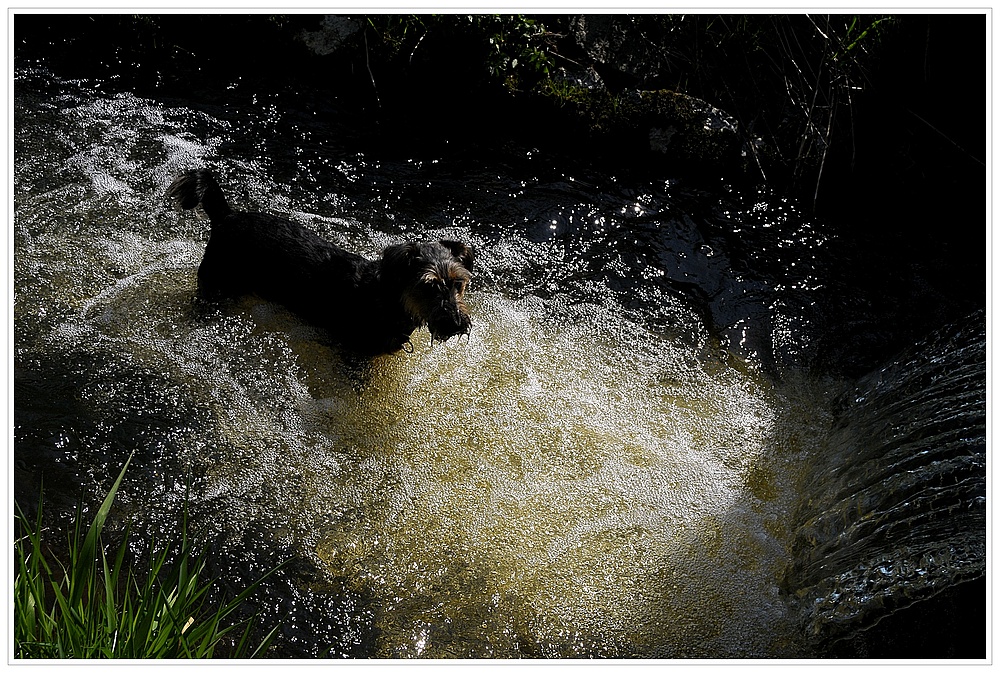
(573, 479)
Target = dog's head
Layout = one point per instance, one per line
(433, 277)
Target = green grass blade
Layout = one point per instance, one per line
(96, 606)
(83, 571)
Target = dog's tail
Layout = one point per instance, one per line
(199, 186)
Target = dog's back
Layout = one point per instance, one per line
(257, 253)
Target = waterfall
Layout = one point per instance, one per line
(896, 506)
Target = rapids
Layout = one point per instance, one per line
(594, 471)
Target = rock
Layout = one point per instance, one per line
(678, 128)
(587, 79)
(687, 128)
(620, 47)
(333, 32)
(618, 87)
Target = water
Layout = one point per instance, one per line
(612, 464)
(906, 462)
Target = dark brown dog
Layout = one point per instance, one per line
(369, 306)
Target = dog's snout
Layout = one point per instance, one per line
(451, 307)
(449, 321)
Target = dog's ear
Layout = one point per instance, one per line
(399, 261)
(461, 251)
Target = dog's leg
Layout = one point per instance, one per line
(216, 279)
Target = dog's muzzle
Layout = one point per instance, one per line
(448, 322)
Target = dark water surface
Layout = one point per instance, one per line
(610, 465)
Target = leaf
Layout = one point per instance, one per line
(88, 553)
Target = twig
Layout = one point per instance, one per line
(942, 134)
(415, 47)
(378, 101)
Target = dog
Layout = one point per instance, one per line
(369, 306)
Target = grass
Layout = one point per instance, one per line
(95, 606)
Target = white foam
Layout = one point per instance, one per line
(564, 481)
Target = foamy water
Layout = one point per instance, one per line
(569, 480)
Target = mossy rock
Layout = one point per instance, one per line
(682, 127)
(672, 126)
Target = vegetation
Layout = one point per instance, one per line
(511, 49)
(817, 99)
(791, 80)
(95, 606)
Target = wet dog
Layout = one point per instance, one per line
(369, 306)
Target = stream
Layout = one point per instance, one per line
(615, 463)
